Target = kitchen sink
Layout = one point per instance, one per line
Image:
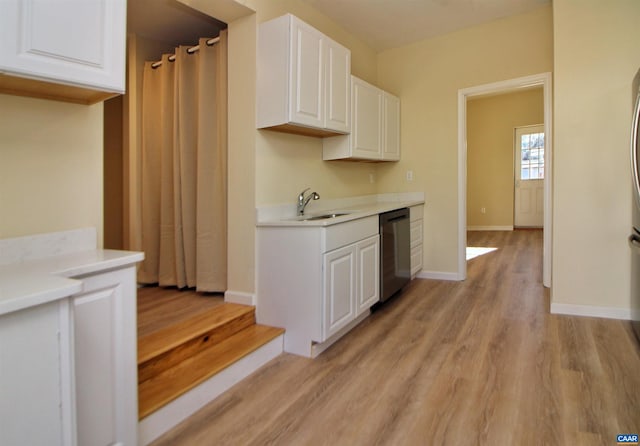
(325, 216)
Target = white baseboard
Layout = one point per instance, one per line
(169, 416)
(591, 311)
(438, 275)
(238, 297)
(490, 228)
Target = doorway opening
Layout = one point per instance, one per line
(539, 80)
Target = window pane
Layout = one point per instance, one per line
(532, 156)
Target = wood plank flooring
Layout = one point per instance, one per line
(446, 363)
(160, 307)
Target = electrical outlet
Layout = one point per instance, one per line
(409, 175)
(483, 210)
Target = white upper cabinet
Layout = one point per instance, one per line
(77, 44)
(366, 139)
(375, 133)
(391, 120)
(303, 81)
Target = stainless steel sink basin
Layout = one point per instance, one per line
(325, 216)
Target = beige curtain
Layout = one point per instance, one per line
(184, 169)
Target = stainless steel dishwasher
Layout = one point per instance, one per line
(395, 252)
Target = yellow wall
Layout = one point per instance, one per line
(490, 153)
(50, 166)
(427, 76)
(597, 53)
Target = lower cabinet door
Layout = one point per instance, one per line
(105, 373)
(339, 294)
(368, 273)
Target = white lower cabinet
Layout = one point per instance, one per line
(104, 336)
(351, 283)
(324, 281)
(68, 368)
(35, 376)
(416, 229)
(339, 300)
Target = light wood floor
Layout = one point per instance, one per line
(446, 363)
(159, 307)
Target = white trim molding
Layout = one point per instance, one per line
(543, 80)
(489, 228)
(591, 311)
(439, 275)
(238, 297)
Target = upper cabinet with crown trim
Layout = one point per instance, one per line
(303, 82)
(72, 50)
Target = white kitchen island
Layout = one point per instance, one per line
(67, 341)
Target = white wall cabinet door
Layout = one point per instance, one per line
(339, 294)
(391, 146)
(366, 136)
(74, 42)
(368, 269)
(337, 87)
(104, 335)
(307, 77)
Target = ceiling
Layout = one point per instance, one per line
(384, 24)
(381, 24)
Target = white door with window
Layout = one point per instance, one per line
(529, 177)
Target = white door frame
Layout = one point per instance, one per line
(511, 85)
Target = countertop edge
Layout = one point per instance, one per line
(35, 282)
(363, 212)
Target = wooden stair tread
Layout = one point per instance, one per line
(171, 383)
(162, 341)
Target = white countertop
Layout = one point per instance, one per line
(354, 208)
(29, 281)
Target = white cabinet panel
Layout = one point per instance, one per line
(339, 289)
(368, 274)
(338, 87)
(74, 42)
(367, 120)
(391, 146)
(307, 67)
(303, 82)
(105, 359)
(35, 377)
(416, 231)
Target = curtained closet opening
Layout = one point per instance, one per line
(183, 184)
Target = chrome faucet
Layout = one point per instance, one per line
(303, 201)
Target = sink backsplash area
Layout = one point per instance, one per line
(289, 210)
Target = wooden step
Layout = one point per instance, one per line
(165, 348)
(167, 385)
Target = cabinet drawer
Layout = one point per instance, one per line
(416, 212)
(349, 232)
(416, 233)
